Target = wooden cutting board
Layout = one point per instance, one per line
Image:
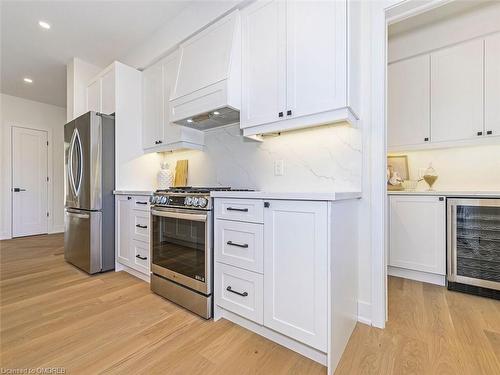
(181, 173)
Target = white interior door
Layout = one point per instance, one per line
(29, 182)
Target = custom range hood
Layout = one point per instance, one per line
(207, 92)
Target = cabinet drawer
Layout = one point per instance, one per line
(140, 203)
(140, 251)
(140, 225)
(239, 244)
(239, 291)
(251, 210)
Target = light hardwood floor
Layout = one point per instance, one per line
(53, 315)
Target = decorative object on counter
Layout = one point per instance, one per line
(397, 172)
(181, 173)
(165, 176)
(430, 176)
(410, 185)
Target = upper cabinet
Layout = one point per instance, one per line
(298, 71)
(445, 98)
(158, 132)
(492, 85)
(457, 92)
(101, 92)
(408, 102)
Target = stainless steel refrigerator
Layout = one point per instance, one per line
(89, 217)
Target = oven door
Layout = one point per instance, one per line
(182, 247)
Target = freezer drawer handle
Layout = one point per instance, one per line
(244, 294)
(141, 202)
(141, 258)
(141, 226)
(78, 215)
(237, 209)
(245, 245)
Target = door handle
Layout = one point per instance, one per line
(245, 245)
(141, 226)
(141, 258)
(244, 294)
(17, 190)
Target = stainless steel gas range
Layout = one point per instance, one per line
(182, 247)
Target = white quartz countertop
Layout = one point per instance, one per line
(450, 193)
(302, 196)
(132, 192)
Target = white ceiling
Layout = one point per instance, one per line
(95, 31)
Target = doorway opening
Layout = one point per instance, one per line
(30, 182)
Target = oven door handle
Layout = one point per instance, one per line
(179, 215)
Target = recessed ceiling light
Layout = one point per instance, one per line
(216, 113)
(189, 120)
(44, 24)
(27, 80)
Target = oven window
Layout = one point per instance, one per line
(179, 246)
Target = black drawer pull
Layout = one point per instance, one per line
(289, 113)
(141, 258)
(489, 132)
(426, 139)
(280, 114)
(479, 133)
(141, 202)
(244, 294)
(237, 209)
(245, 245)
(141, 226)
(129, 198)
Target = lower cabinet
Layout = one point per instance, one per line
(417, 236)
(274, 272)
(132, 233)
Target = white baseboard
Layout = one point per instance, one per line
(5, 236)
(57, 229)
(121, 267)
(365, 313)
(424, 277)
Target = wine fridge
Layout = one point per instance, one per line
(474, 246)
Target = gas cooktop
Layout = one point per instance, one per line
(197, 197)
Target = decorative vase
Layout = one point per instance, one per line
(165, 177)
(430, 176)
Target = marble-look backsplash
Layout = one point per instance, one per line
(326, 158)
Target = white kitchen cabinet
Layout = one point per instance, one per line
(408, 102)
(132, 234)
(295, 68)
(291, 270)
(296, 270)
(457, 92)
(492, 85)
(417, 234)
(101, 92)
(158, 132)
(94, 96)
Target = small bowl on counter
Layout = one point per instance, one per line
(410, 185)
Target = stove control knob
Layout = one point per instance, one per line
(203, 202)
(196, 201)
(155, 199)
(188, 201)
(163, 200)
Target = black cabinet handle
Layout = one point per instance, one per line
(267, 204)
(426, 139)
(489, 132)
(129, 198)
(479, 133)
(17, 190)
(245, 245)
(160, 142)
(141, 258)
(141, 226)
(441, 199)
(156, 142)
(289, 112)
(244, 294)
(141, 202)
(280, 114)
(237, 209)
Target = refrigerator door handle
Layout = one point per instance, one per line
(75, 186)
(80, 162)
(70, 163)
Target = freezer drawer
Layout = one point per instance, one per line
(83, 240)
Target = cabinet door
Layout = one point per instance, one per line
(295, 270)
(408, 107)
(263, 63)
(492, 84)
(316, 57)
(108, 92)
(94, 96)
(457, 92)
(418, 233)
(123, 238)
(170, 132)
(152, 105)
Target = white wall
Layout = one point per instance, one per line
(78, 74)
(320, 159)
(464, 168)
(26, 113)
(467, 25)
